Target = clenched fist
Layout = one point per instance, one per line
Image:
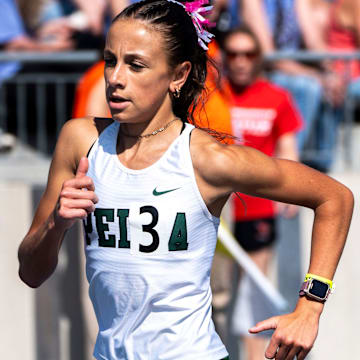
(77, 197)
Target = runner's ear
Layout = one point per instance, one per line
(180, 76)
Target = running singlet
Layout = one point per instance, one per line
(149, 248)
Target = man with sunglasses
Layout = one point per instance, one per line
(261, 115)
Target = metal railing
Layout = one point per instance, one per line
(46, 97)
(61, 108)
(302, 55)
(64, 57)
(34, 105)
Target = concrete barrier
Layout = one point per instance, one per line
(17, 302)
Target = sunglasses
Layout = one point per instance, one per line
(250, 55)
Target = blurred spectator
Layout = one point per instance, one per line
(337, 29)
(276, 25)
(219, 7)
(37, 13)
(11, 28)
(84, 21)
(344, 35)
(262, 116)
(95, 11)
(13, 37)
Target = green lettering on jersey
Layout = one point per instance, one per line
(150, 229)
(101, 227)
(178, 238)
(88, 228)
(123, 214)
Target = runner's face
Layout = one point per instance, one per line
(137, 74)
(241, 59)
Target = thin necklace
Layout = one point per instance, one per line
(155, 132)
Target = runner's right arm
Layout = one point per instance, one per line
(62, 203)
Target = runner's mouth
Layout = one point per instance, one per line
(117, 99)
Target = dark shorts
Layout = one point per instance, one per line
(255, 234)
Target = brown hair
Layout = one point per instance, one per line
(244, 29)
(181, 41)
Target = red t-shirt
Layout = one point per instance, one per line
(260, 115)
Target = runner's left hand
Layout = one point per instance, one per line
(295, 333)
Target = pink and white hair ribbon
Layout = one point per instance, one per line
(196, 10)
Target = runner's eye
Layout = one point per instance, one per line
(109, 61)
(136, 66)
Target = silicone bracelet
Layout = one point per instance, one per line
(320, 278)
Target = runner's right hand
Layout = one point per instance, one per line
(77, 197)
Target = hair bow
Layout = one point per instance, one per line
(196, 10)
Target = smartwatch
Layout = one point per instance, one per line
(316, 288)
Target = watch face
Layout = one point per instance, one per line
(319, 289)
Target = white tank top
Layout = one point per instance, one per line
(149, 248)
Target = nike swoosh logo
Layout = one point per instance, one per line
(158, 193)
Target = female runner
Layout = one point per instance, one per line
(150, 188)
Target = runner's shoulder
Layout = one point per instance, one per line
(211, 157)
(88, 124)
(78, 135)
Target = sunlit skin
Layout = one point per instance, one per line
(241, 70)
(137, 77)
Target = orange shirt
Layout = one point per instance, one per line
(86, 84)
(214, 114)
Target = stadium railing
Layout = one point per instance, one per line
(36, 102)
(52, 94)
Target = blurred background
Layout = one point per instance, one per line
(51, 70)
